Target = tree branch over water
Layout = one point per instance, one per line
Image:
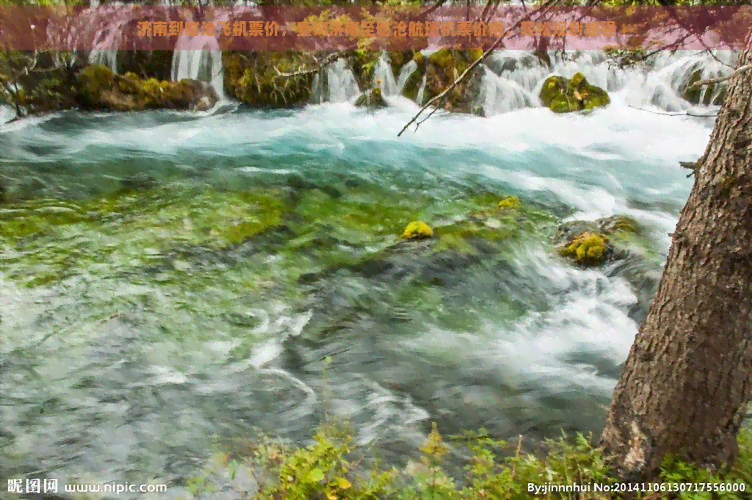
(328, 60)
(546, 6)
(721, 78)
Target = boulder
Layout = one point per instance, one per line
(101, 88)
(576, 94)
(371, 99)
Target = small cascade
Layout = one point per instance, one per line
(382, 73)
(498, 95)
(342, 83)
(105, 57)
(421, 97)
(106, 48)
(405, 73)
(336, 83)
(204, 64)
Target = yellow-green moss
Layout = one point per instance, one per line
(417, 230)
(510, 202)
(95, 79)
(586, 248)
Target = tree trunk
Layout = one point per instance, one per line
(688, 376)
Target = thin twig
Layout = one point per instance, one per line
(676, 113)
(475, 64)
(721, 78)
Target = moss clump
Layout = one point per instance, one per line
(588, 249)
(417, 230)
(510, 202)
(576, 94)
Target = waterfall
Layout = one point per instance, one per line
(422, 91)
(204, 64)
(342, 83)
(105, 57)
(336, 83)
(382, 72)
(498, 95)
(405, 73)
(105, 49)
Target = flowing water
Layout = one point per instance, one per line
(140, 325)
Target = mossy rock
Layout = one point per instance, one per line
(587, 248)
(101, 88)
(442, 69)
(417, 230)
(371, 99)
(576, 94)
(254, 79)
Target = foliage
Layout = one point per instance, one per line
(333, 468)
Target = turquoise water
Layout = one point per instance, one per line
(146, 325)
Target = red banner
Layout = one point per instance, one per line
(139, 27)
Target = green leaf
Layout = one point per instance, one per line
(315, 475)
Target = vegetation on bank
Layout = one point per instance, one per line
(332, 467)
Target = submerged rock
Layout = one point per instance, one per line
(371, 99)
(586, 248)
(101, 88)
(576, 94)
(593, 243)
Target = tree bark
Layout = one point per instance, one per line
(688, 377)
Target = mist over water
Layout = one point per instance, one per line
(126, 370)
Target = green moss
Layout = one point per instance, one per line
(586, 248)
(95, 80)
(417, 230)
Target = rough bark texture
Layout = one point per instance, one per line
(688, 376)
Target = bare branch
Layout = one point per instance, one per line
(677, 113)
(328, 60)
(721, 78)
(475, 64)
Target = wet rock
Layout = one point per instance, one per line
(371, 99)
(588, 249)
(711, 94)
(576, 94)
(138, 182)
(594, 243)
